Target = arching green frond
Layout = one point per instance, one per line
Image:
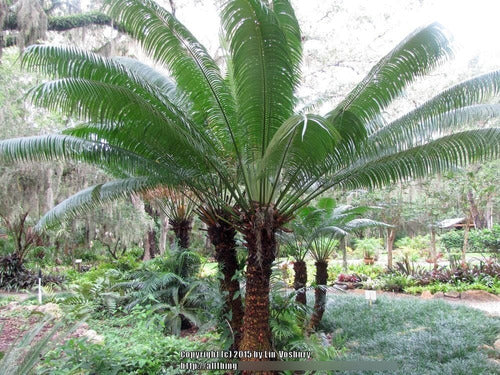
(302, 142)
(327, 204)
(435, 156)
(170, 43)
(195, 166)
(357, 224)
(94, 197)
(457, 105)
(83, 98)
(414, 56)
(290, 26)
(166, 86)
(71, 62)
(332, 230)
(299, 136)
(263, 74)
(61, 147)
(417, 127)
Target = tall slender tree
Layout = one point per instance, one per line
(200, 127)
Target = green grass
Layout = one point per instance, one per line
(423, 337)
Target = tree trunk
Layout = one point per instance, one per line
(477, 217)
(151, 234)
(182, 230)
(391, 236)
(300, 281)
(222, 236)
(146, 255)
(319, 295)
(259, 230)
(466, 240)
(163, 234)
(343, 247)
(433, 248)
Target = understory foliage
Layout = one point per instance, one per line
(15, 276)
(168, 286)
(171, 288)
(479, 241)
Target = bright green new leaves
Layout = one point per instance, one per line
(263, 71)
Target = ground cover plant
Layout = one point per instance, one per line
(423, 337)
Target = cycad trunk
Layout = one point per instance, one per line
(222, 236)
(260, 235)
(300, 281)
(182, 230)
(319, 295)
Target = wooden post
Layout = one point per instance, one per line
(343, 247)
(391, 236)
(433, 247)
(466, 241)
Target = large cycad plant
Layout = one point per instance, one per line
(201, 128)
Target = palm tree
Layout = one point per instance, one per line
(222, 234)
(295, 245)
(202, 127)
(327, 223)
(179, 208)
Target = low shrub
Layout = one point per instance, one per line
(135, 355)
(470, 273)
(436, 287)
(480, 241)
(396, 282)
(15, 276)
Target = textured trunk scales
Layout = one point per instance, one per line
(300, 281)
(222, 236)
(319, 295)
(260, 235)
(182, 230)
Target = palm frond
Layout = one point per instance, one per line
(458, 106)
(435, 156)
(290, 26)
(62, 147)
(263, 73)
(93, 197)
(170, 43)
(414, 56)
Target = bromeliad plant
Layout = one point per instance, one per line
(201, 127)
